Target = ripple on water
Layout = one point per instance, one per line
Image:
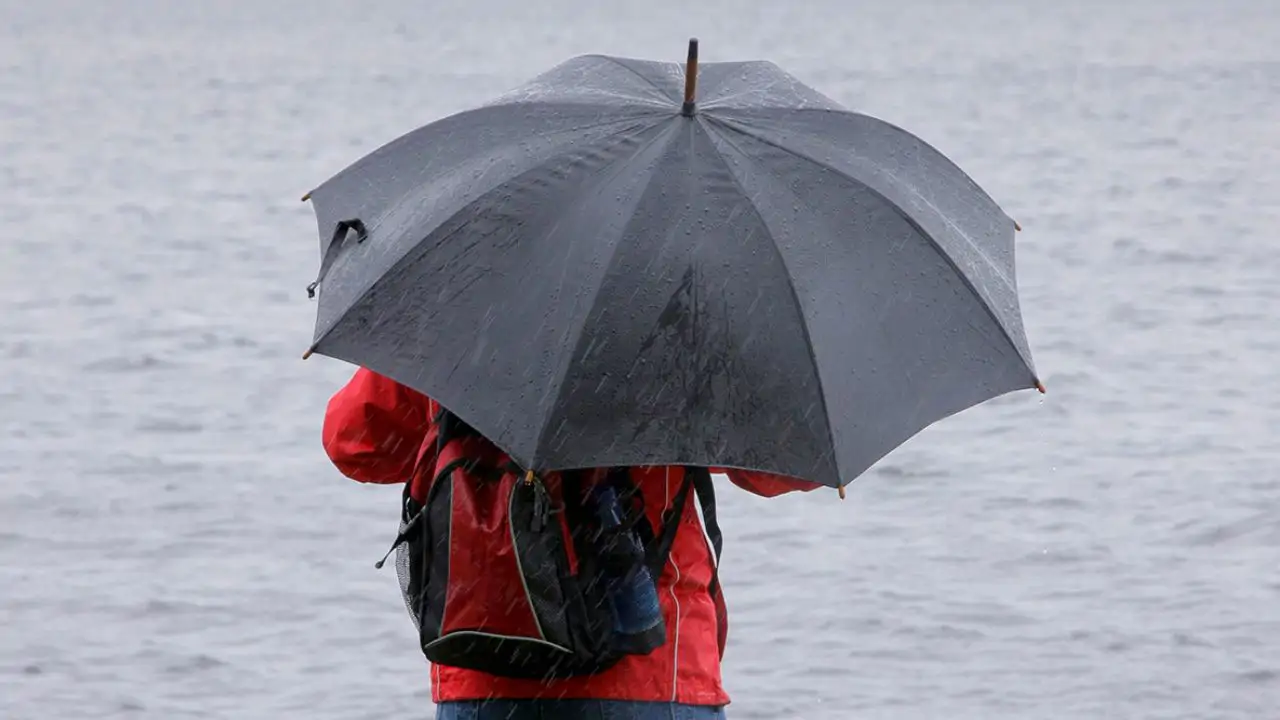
(119, 364)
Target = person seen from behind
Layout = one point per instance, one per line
(379, 431)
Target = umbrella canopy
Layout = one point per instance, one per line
(596, 270)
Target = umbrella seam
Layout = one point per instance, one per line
(637, 128)
(641, 109)
(920, 401)
(377, 222)
(986, 305)
(879, 324)
(733, 124)
(795, 296)
(595, 296)
(633, 71)
(973, 184)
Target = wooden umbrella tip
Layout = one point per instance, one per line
(306, 197)
(308, 353)
(1040, 387)
(840, 490)
(1016, 226)
(690, 79)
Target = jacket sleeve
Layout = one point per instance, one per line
(767, 484)
(374, 428)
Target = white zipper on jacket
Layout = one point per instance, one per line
(675, 643)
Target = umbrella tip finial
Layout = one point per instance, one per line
(308, 353)
(306, 197)
(1016, 226)
(1040, 387)
(690, 78)
(840, 490)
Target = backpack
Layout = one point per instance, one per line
(519, 575)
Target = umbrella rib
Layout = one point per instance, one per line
(744, 128)
(412, 192)
(843, 112)
(722, 102)
(595, 295)
(393, 145)
(633, 71)
(910, 220)
(409, 256)
(884, 333)
(795, 297)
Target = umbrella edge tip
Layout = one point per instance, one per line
(1040, 387)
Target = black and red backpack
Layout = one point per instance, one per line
(519, 575)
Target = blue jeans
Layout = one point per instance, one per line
(574, 710)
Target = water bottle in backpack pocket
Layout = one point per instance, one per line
(629, 582)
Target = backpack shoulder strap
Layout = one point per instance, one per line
(410, 512)
(571, 491)
(697, 480)
(444, 421)
(706, 491)
(657, 553)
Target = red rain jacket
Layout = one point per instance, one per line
(378, 431)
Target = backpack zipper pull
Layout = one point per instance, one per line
(378, 565)
(400, 538)
(541, 507)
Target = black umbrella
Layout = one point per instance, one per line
(593, 270)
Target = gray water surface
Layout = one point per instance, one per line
(174, 543)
